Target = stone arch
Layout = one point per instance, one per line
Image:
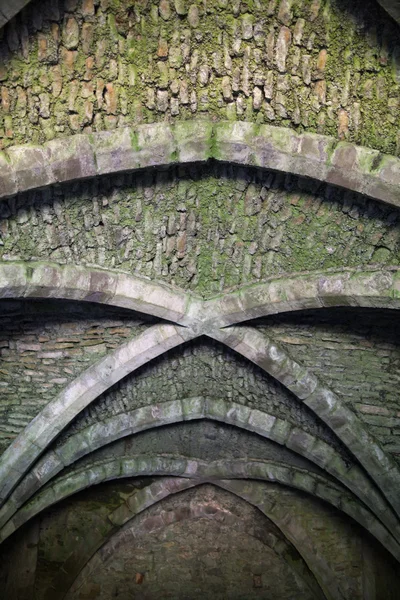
(115, 539)
(320, 157)
(41, 431)
(347, 287)
(373, 288)
(187, 409)
(104, 286)
(203, 471)
(324, 403)
(156, 340)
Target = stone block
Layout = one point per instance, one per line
(148, 297)
(322, 401)
(193, 140)
(156, 145)
(45, 281)
(238, 414)
(299, 380)
(115, 151)
(301, 442)
(280, 431)
(304, 481)
(102, 286)
(8, 180)
(274, 148)
(75, 282)
(31, 168)
(72, 158)
(193, 408)
(261, 422)
(232, 142)
(76, 447)
(13, 280)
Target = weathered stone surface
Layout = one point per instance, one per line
(106, 81)
(30, 167)
(71, 161)
(247, 144)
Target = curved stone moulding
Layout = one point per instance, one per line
(268, 426)
(141, 466)
(360, 288)
(319, 157)
(42, 430)
(123, 516)
(107, 547)
(10, 8)
(270, 357)
(42, 280)
(366, 287)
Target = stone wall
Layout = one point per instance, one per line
(205, 228)
(357, 355)
(68, 533)
(42, 350)
(201, 369)
(89, 65)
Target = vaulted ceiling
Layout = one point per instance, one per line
(199, 290)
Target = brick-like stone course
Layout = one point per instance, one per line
(41, 351)
(356, 356)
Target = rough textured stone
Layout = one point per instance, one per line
(306, 92)
(207, 229)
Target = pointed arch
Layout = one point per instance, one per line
(43, 429)
(295, 477)
(216, 409)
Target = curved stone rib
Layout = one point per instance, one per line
(141, 466)
(323, 402)
(42, 430)
(323, 158)
(268, 426)
(73, 282)
(108, 543)
(292, 530)
(9, 8)
(370, 287)
(374, 288)
(392, 7)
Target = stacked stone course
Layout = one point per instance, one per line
(205, 228)
(68, 67)
(41, 352)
